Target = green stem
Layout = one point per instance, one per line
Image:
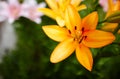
(116, 43)
(101, 21)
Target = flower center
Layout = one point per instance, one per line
(78, 34)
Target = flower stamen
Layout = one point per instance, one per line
(75, 27)
(69, 31)
(83, 29)
(77, 35)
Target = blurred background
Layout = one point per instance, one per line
(25, 51)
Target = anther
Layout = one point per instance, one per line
(69, 31)
(75, 27)
(74, 39)
(85, 37)
(82, 29)
(81, 40)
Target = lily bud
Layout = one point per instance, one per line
(114, 17)
(114, 20)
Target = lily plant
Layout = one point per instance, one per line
(78, 35)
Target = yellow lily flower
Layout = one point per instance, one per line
(57, 9)
(112, 8)
(78, 35)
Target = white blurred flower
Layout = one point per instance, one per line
(30, 10)
(2, 11)
(8, 38)
(10, 9)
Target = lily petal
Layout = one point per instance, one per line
(110, 4)
(76, 2)
(110, 7)
(81, 7)
(60, 21)
(90, 21)
(117, 5)
(84, 56)
(48, 12)
(97, 38)
(63, 50)
(72, 18)
(52, 4)
(55, 32)
(63, 4)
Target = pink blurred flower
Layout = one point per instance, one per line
(104, 4)
(30, 10)
(10, 10)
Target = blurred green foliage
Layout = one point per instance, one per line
(30, 60)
